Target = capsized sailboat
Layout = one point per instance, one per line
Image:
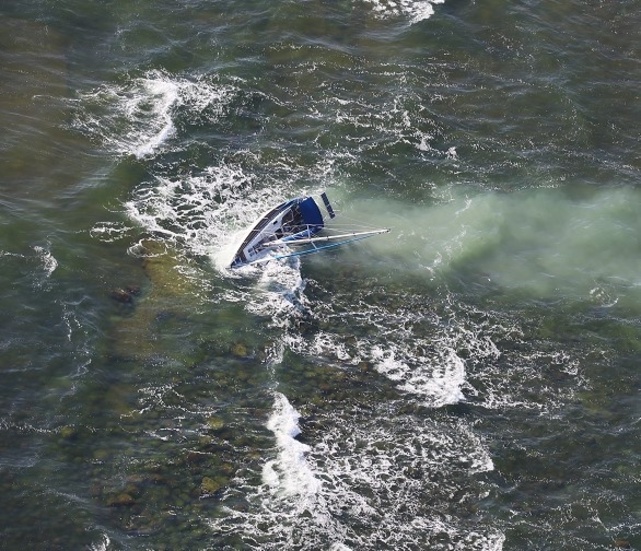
(294, 228)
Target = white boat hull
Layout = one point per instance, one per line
(293, 223)
(298, 217)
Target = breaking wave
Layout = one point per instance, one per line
(138, 117)
(289, 474)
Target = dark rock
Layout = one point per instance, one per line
(122, 295)
(133, 290)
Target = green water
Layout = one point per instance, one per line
(468, 381)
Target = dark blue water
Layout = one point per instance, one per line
(468, 381)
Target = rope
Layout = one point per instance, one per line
(316, 249)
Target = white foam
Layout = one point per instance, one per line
(289, 474)
(281, 287)
(415, 10)
(428, 368)
(439, 382)
(367, 452)
(102, 545)
(49, 263)
(196, 213)
(137, 117)
(157, 96)
(108, 232)
(441, 359)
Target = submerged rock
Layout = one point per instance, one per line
(125, 295)
(209, 486)
(365, 367)
(163, 271)
(35, 85)
(68, 432)
(121, 500)
(122, 296)
(169, 298)
(216, 423)
(239, 350)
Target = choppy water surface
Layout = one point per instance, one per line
(468, 381)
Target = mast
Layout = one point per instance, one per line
(324, 238)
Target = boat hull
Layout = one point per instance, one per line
(291, 220)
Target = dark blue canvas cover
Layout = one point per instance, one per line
(311, 213)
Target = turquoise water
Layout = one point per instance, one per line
(468, 381)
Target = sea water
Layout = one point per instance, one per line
(467, 381)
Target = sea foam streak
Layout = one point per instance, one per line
(198, 213)
(438, 354)
(408, 346)
(138, 117)
(289, 474)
